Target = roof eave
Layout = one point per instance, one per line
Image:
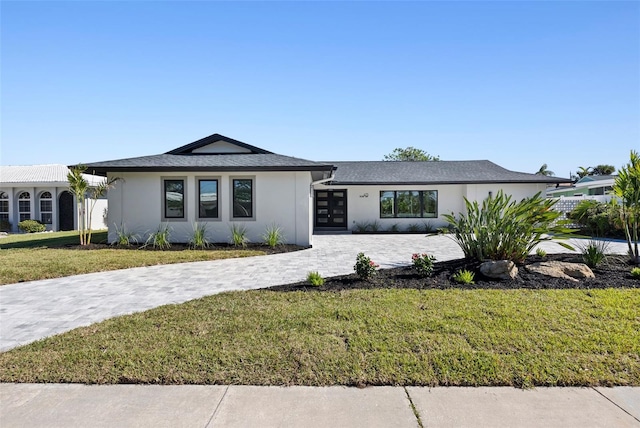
(104, 170)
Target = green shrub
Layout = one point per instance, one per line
(635, 272)
(501, 229)
(413, 227)
(160, 239)
(199, 236)
(362, 226)
(594, 252)
(5, 226)
(273, 236)
(394, 228)
(31, 226)
(464, 276)
(427, 227)
(375, 226)
(596, 218)
(365, 267)
(423, 263)
(125, 238)
(315, 279)
(541, 253)
(239, 235)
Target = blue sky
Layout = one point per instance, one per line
(518, 83)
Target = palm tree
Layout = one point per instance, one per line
(544, 171)
(603, 170)
(583, 172)
(627, 188)
(78, 186)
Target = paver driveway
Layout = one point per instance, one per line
(33, 310)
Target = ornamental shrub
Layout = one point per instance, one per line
(365, 267)
(423, 263)
(31, 226)
(464, 276)
(315, 279)
(5, 226)
(635, 272)
(501, 229)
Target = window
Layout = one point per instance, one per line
(24, 206)
(46, 208)
(208, 198)
(409, 204)
(173, 197)
(242, 189)
(4, 206)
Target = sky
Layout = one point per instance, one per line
(519, 83)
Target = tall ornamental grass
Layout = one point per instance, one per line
(502, 229)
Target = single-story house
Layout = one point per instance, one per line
(41, 192)
(222, 181)
(589, 185)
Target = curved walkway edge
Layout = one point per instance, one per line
(35, 310)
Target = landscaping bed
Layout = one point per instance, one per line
(613, 273)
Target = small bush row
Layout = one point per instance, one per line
(160, 239)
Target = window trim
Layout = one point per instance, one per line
(4, 197)
(232, 180)
(21, 199)
(42, 199)
(185, 212)
(208, 178)
(395, 204)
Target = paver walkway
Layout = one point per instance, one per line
(34, 310)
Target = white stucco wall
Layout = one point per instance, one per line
(363, 202)
(281, 198)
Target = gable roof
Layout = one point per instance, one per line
(433, 172)
(214, 138)
(189, 158)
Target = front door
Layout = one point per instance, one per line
(331, 208)
(65, 211)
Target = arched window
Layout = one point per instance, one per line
(46, 208)
(4, 206)
(24, 206)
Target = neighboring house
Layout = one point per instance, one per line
(41, 192)
(222, 181)
(590, 185)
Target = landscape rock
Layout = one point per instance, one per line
(565, 270)
(500, 269)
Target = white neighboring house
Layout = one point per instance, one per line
(591, 186)
(41, 192)
(221, 181)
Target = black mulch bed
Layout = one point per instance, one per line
(613, 273)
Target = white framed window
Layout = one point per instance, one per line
(46, 208)
(24, 206)
(4, 206)
(409, 204)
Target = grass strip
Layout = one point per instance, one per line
(519, 338)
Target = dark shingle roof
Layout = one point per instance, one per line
(227, 162)
(441, 172)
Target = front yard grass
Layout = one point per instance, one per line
(516, 337)
(31, 257)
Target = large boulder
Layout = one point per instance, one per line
(565, 270)
(499, 269)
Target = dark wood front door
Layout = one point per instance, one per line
(65, 211)
(331, 208)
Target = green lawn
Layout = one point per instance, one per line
(360, 337)
(33, 256)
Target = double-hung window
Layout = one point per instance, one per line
(409, 204)
(24, 206)
(4, 206)
(46, 208)
(173, 197)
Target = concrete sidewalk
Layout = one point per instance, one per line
(53, 405)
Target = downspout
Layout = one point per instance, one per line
(324, 180)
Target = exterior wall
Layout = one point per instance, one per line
(281, 198)
(363, 202)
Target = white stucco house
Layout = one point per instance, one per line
(222, 181)
(41, 192)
